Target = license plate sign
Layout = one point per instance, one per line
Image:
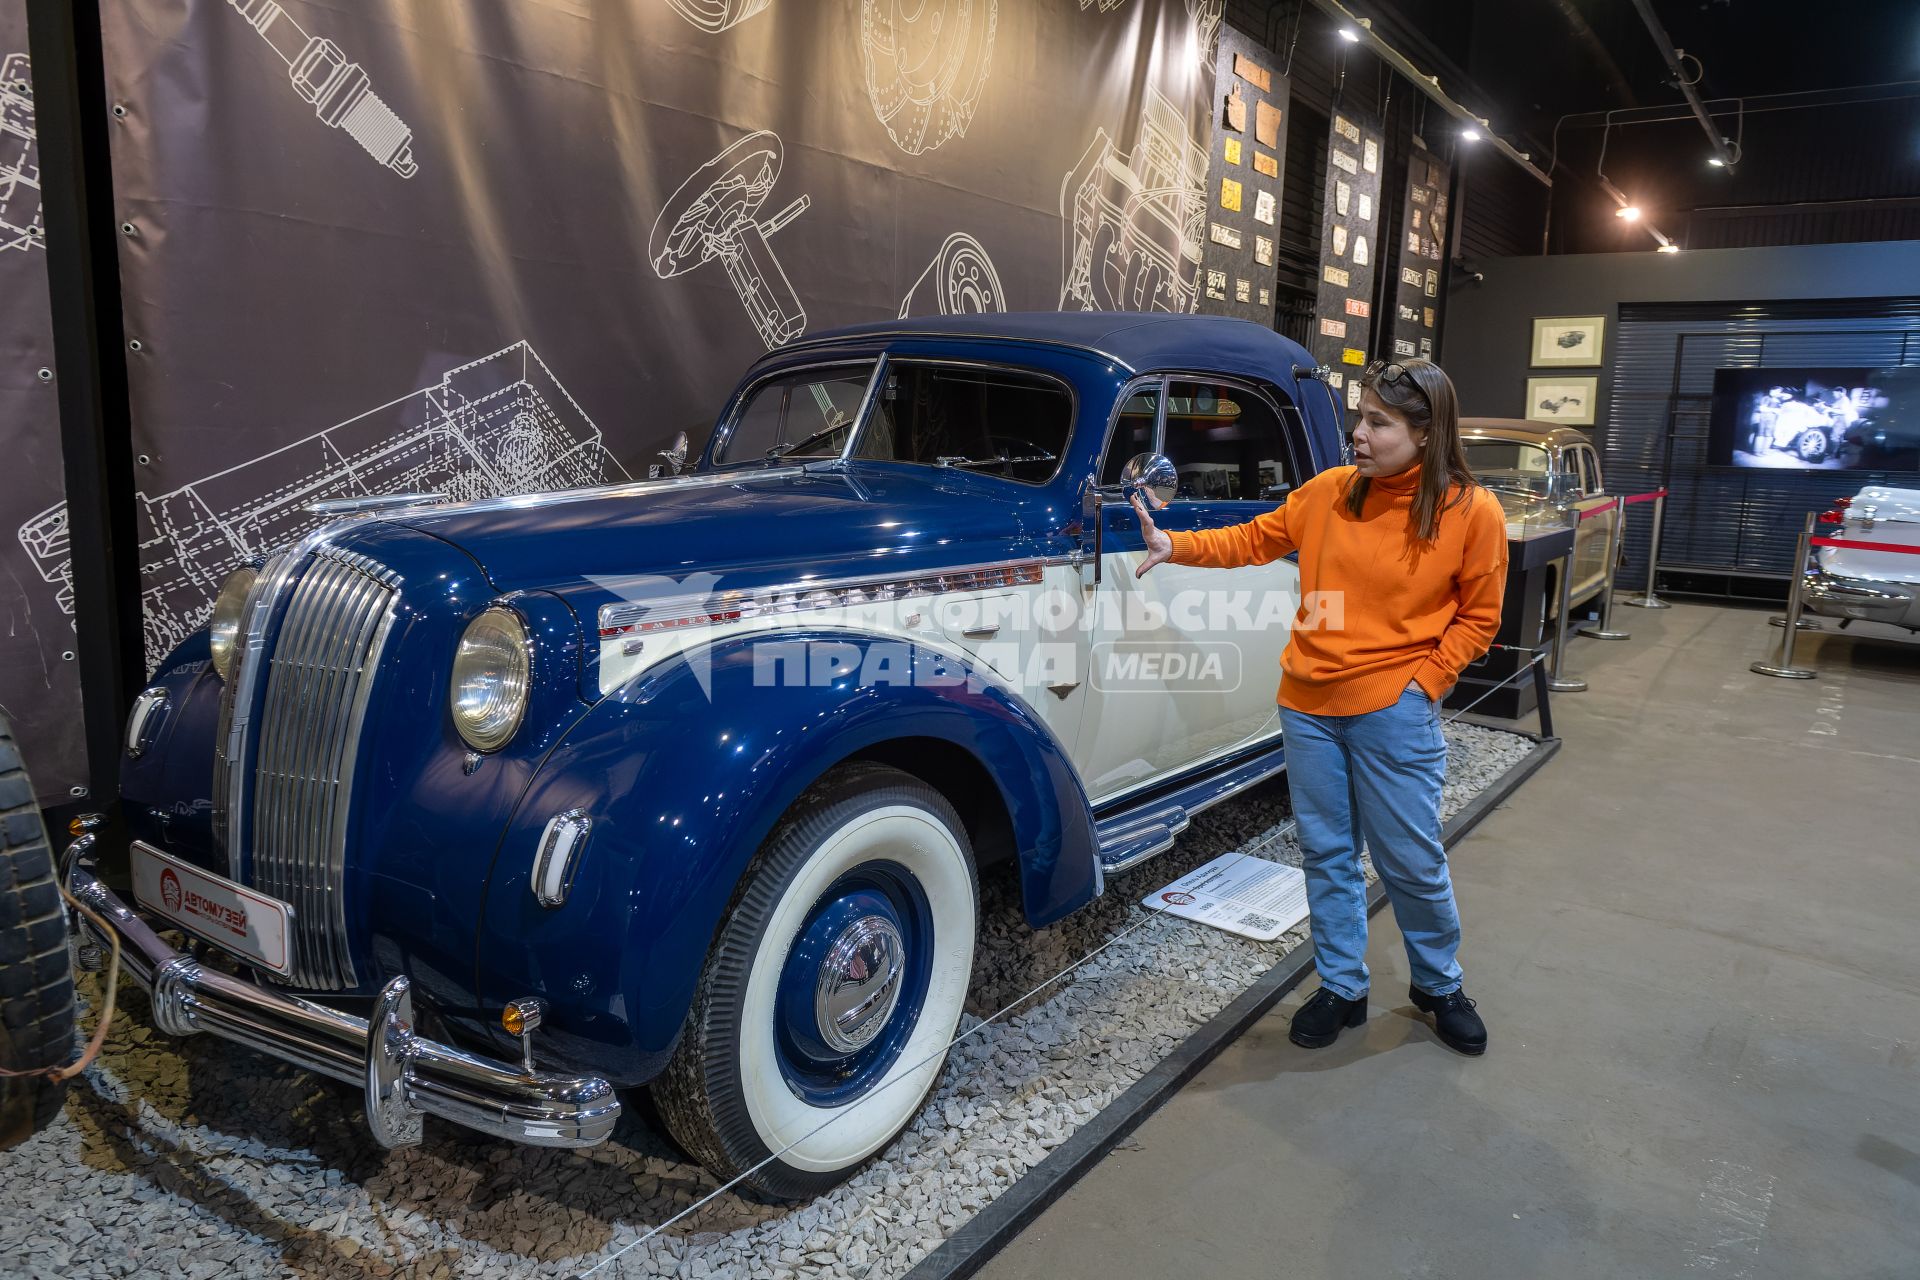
(231, 916)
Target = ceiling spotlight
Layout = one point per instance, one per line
(1350, 35)
(1668, 247)
(1469, 134)
(1716, 162)
(1631, 212)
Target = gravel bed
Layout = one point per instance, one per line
(198, 1158)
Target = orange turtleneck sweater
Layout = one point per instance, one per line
(1410, 611)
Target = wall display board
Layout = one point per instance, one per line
(39, 674)
(491, 249)
(1350, 250)
(1421, 260)
(1249, 151)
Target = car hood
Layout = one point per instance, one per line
(751, 527)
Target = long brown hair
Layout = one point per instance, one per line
(1423, 394)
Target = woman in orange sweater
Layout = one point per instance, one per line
(1403, 560)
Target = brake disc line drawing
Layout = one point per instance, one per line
(959, 281)
(711, 216)
(20, 224)
(926, 63)
(715, 16)
(1133, 223)
(340, 91)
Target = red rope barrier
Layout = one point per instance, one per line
(1854, 544)
(1600, 510)
(1630, 499)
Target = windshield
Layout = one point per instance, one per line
(803, 414)
(1511, 466)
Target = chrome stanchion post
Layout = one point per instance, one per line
(1648, 600)
(1790, 628)
(1603, 630)
(1557, 682)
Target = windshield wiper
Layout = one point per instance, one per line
(782, 450)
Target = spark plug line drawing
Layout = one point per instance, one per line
(340, 91)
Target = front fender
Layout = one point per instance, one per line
(684, 783)
(166, 792)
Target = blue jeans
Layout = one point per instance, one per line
(1374, 777)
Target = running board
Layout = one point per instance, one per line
(1133, 835)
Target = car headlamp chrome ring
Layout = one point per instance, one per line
(492, 670)
(223, 631)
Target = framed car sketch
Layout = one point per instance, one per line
(1567, 341)
(1568, 400)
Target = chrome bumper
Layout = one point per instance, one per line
(405, 1076)
(1837, 597)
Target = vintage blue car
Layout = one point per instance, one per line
(498, 808)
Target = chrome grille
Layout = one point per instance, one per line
(319, 676)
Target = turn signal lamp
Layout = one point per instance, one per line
(520, 1017)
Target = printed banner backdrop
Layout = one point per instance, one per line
(1243, 180)
(39, 679)
(1349, 250)
(1422, 255)
(480, 249)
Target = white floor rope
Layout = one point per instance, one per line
(198, 1158)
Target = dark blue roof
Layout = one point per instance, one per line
(1143, 340)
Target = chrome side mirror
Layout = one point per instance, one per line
(1152, 474)
(676, 454)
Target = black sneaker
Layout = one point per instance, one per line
(1460, 1028)
(1319, 1021)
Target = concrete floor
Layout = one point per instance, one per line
(1693, 936)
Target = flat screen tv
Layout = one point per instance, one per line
(1831, 419)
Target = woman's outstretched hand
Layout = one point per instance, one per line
(1159, 543)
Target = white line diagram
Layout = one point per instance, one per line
(341, 94)
(715, 16)
(926, 63)
(20, 226)
(501, 425)
(712, 216)
(1133, 223)
(1206, 15)
(959, 281)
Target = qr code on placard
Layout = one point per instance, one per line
(1253, 921)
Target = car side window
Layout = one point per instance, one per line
(1590, 464)
(1132, 431)
(1227, 443)
(992, 421)
(809, 412)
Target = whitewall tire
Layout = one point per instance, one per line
(833, 989)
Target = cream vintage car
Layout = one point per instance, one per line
(1545, 475)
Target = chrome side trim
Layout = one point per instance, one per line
(149, 711)
(372, 502)
(822, 593)
(560, 846)
(417, 1075)
(620, 489)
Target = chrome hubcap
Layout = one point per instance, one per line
(859, 983)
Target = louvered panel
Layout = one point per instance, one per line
(319, 677)
(1743, 521)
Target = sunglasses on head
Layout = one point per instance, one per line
(1381, 371)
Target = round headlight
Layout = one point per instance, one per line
(223, 632)
(490, 678)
